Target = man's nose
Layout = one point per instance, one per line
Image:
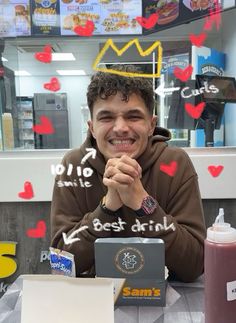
(120, 125)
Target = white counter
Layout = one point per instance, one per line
(17, 167)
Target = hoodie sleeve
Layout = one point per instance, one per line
(184, 230)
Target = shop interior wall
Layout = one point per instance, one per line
(74, 86)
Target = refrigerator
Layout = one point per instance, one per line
(54, 107)
(25, 122)
(8, 109)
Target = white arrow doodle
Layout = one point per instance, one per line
(161, 91)
(91, 153)
(71, 239)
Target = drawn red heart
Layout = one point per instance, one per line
(45, 127)
(195, 111)
(2, 71)
(86, 30)
(215, 170)
(197, 40)
(148, 22)
(214, 17)
(45, 56)
(28, 192)
(38, 232)
(183, 74)
(207, 24)
(54, 85)
(169, 169)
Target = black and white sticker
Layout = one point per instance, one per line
(231, 291)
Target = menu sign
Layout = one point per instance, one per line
(176, 12)
(118, 17)
(45, 17)
(110, 17)
(14, 18)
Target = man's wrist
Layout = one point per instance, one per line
(148, 206)
(108, 204)
(109, 210)
(137, 204)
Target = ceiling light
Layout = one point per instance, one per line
(71, 72)
(22, 73)
(4, 59)
(63, 57)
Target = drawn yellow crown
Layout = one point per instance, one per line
(110, 44)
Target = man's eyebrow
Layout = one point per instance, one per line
(135, 111)
(103, 112)
(110, 113)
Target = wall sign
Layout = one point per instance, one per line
(15, 18)
(177, 12)
(8, 265)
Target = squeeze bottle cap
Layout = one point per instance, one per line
(221, 232)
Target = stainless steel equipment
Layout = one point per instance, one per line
(54, 107)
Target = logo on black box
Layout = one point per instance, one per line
(129, 260)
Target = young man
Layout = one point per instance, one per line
(135, 178)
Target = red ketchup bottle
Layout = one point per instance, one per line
(220, 272)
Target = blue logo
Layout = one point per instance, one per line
(46, 3)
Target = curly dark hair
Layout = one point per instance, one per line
(105, 84)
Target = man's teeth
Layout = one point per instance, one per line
(124, 142)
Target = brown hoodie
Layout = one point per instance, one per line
(179, 204)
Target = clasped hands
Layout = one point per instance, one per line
(122, 178)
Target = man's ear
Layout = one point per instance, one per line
(90, 125)
(153, 125)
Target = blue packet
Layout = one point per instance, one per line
(62, 262)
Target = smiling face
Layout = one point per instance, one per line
(121, 127)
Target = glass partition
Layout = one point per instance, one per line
(43, 104)
(9, 63)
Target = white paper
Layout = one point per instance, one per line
(231, 291)
(228, 4)
(118, 285)
(60, 299)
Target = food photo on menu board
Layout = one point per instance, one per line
(109, 16)
(45, 17)
(167, 11)
(14, 18)
(175, 12)
(198, 4)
